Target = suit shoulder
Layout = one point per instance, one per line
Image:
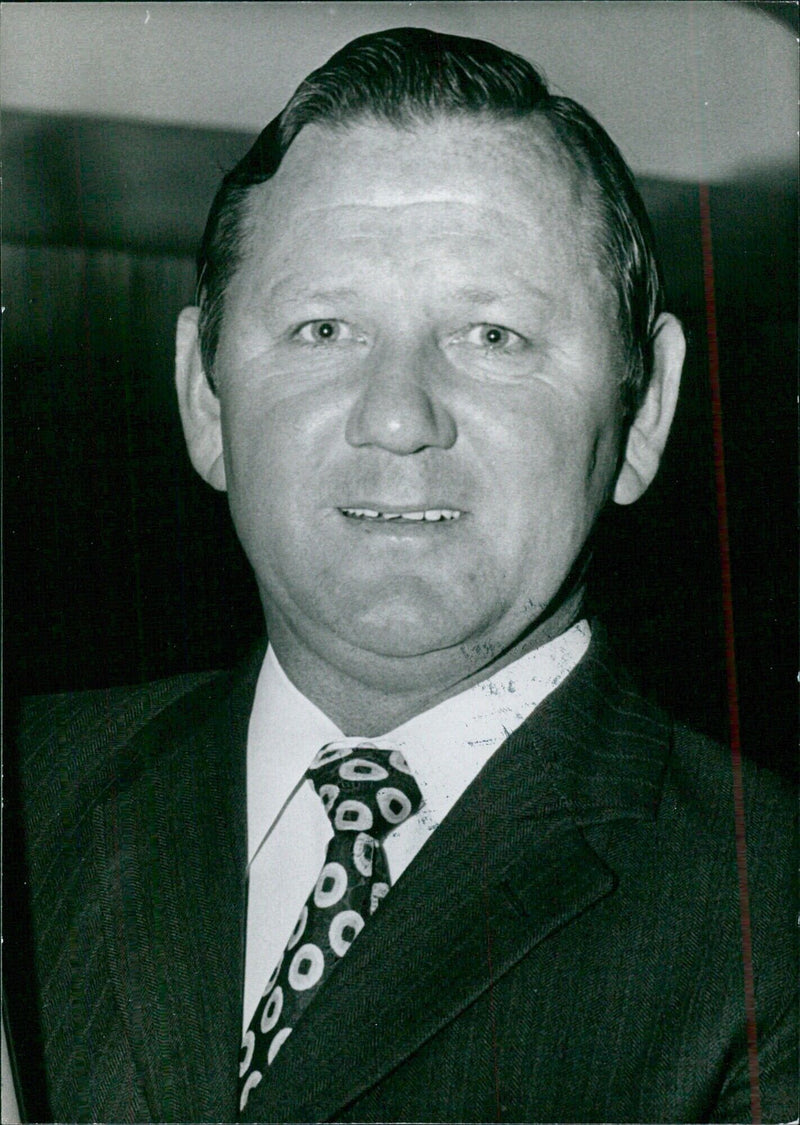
(72, 745)
(704, 777)
(733, 828)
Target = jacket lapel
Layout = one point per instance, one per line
(174, 835)
(508, 866)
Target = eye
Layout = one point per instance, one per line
(319, 332)
(492, 338)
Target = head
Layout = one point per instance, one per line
(407, 76)
(541, 382)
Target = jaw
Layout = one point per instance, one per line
(368, 693)
(414, 598)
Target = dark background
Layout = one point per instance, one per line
(121, 566)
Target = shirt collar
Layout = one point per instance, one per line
(446, 746)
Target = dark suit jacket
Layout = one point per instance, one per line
(566, 948)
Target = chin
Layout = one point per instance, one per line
(399, 628)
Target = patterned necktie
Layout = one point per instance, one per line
(366, 791)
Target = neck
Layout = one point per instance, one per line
(367, 695)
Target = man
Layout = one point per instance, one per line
(429, 349)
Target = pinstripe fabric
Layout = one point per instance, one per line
(76, 747)
(566, 947)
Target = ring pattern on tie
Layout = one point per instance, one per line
(366, 792)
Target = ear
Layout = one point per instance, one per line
(198, 404)
(650, 428)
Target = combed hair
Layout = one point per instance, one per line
(405, 77)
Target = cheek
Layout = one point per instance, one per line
(559, 469)
(258, 474)
(266, 439)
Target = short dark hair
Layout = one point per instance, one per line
(406, 76)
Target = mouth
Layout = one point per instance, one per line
(419, 515)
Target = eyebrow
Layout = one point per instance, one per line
(342, 293)
(491, 296)
(290, 290)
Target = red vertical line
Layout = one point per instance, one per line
(730, 653)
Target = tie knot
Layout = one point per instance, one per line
(364, 788)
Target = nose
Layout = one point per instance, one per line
(397, 408)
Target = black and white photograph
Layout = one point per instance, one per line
(400, 561)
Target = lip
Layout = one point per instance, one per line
(400, 509)
(374, 515)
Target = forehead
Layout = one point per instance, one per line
(467, 185)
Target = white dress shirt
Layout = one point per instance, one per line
(445, 747)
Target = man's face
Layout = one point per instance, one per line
(418, 372)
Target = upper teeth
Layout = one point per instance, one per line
(430, 515)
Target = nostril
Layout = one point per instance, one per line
(399, 414)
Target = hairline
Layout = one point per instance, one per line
(586, 192)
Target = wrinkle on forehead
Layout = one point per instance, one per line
(372, 180)
(438, 220)
(370, 164)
